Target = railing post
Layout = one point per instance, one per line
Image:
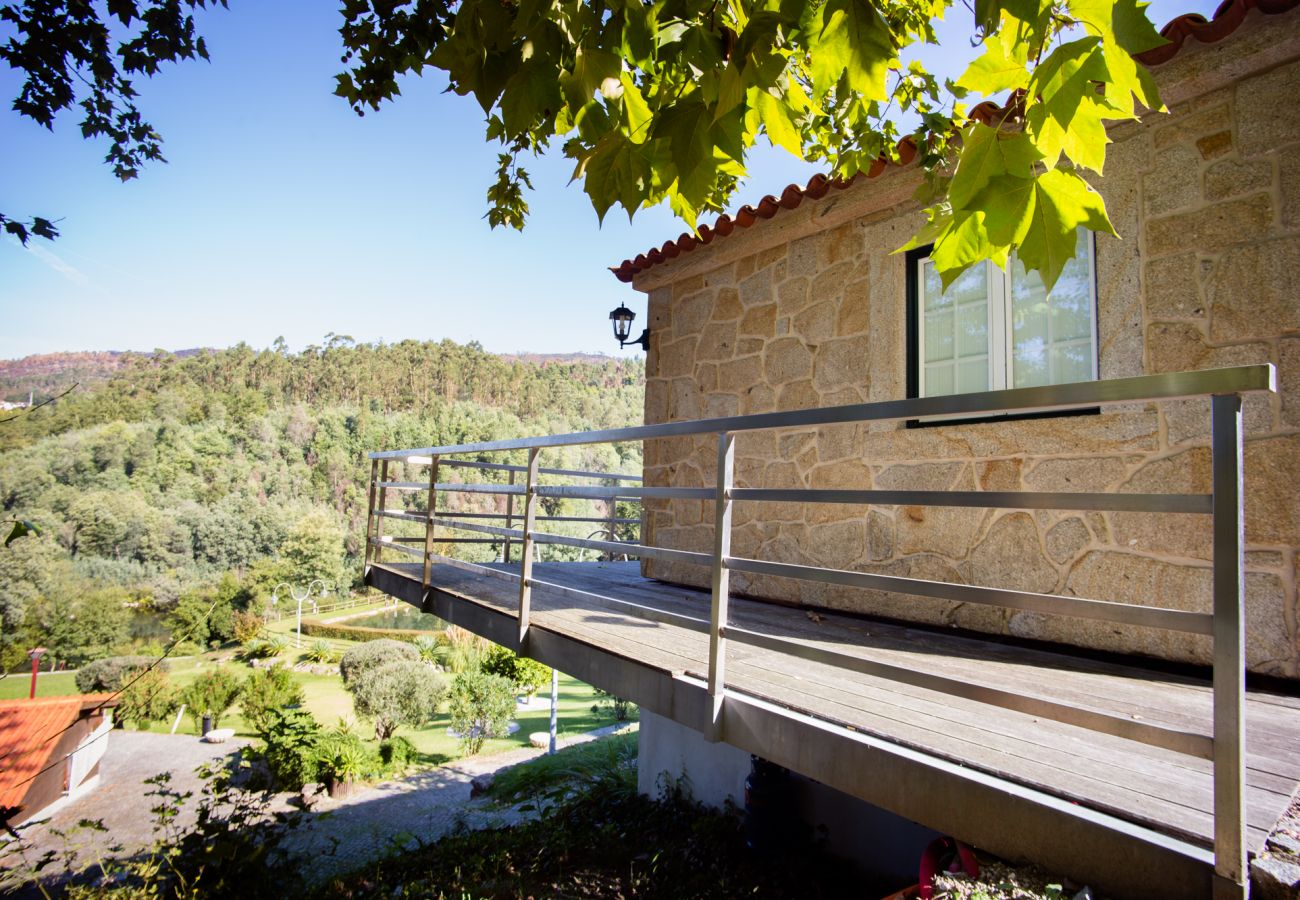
(430, 509)
(721, 583)
(370, 517)
(510, 518)
(379, 513)
(1230, 878)
(526, 551)
(612, 515)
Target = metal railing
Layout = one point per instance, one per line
(1224, 624)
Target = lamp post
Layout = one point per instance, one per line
(35, 655)
(275, 598)
(622, 320)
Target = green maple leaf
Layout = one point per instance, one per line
(776, 117)
(685, 126)
(850, 40)
(591, 66)
(616, 171)
(636, 109)
(531, 95)
(1062, 202)
(1008, 202)
(987, 153)
(1004, 65)
(961, 244)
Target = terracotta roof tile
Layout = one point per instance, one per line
(29, 731)
(1225, 21)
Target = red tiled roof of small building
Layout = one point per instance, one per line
(29, 733)
(1227, 18)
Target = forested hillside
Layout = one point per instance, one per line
(177, 483)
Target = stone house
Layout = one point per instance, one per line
(802, 301)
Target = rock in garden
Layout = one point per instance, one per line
(479, 785)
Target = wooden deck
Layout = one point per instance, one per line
(944, 761)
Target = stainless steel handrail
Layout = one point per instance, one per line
(1048, 398)
(1225, 747)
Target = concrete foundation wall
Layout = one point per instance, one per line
(809, 309)
(887, 848)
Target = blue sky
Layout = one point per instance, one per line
(281, 212)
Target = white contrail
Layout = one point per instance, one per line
(58, 264)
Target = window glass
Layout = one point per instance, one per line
(956, 329)
(1045, 328)
(993, 329)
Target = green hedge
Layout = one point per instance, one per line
(344, 632)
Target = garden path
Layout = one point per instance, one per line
(405, 813)
(338, 835)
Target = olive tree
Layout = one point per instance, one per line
(401, 692)
(372, 654)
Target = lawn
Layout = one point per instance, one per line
(330, 702)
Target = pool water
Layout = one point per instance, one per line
(403, 618)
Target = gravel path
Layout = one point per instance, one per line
(409, 812)
(120, 800)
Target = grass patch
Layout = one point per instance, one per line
(329, 701)
(549, 776)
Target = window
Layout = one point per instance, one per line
(995, 329)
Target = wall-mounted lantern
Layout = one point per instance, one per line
(622, 319)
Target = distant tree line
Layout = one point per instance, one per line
(179, 483)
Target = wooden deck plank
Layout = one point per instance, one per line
(1165, 790)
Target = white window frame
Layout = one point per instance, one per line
(1001, 349)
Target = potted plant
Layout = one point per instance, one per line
(343, 762)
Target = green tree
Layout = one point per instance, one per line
(291, 744)
(267, 691)
(213, 693)
(149, 698)
(527, 675)
(314, 549)
(663, 102)
(397, 693)
(372, 654)
(67, 57)
(86, 627)
(481, 706)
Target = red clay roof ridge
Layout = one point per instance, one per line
(1227, 18)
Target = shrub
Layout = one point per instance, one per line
(373, 654)
(397, 753)
(481, 706)
(212, 694)
(247, 626)
(342, 756)
(292, 747)
(622, 710)
(254, 649)
(276, 644)
(462, 651)
(321, 652)
(266, 690)
(111, 673)
(527, 675)
(341, 631)
(400, 692)
(150, 698)
(428, 647)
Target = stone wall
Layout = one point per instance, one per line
(808, 309)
